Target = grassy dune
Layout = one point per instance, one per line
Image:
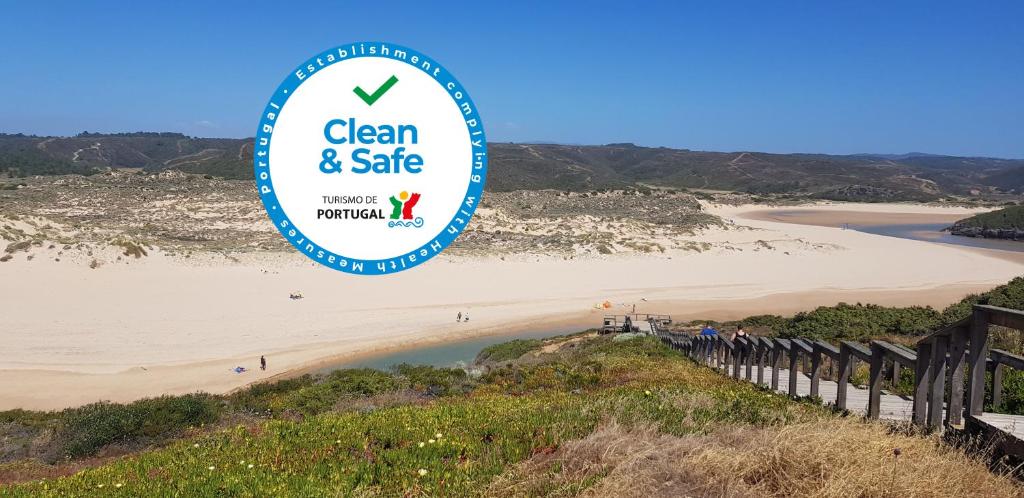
(594, 417)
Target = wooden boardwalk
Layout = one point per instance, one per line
(893, 407)
(1009, 424)
(956, 373)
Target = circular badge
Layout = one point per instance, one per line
(370, 158)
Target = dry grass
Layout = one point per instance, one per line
(823, 458)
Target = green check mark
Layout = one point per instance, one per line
(370, 99)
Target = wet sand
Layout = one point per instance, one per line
(838, 218)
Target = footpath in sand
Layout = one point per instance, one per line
(163, 324)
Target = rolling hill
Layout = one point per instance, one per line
(872, 177)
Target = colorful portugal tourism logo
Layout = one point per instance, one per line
(370, 158)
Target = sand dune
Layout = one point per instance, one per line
(163, 324)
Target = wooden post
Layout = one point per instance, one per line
(776, 362)
(845, 371)
(922, 377)
(957, 349)
(815, 372)
(794, 360)
(762, 351)
(997, 384)
(938, 382)
(749, 350)
(978, 352)
(875, 384)
(737, 359)
(895, 373)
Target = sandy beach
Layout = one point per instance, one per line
(164, 324)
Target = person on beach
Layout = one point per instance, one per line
(467, 316)
(738, 333)
(708, 330)
(459, 318)
(263, 362)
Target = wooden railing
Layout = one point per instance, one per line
(959, 350)
(958, 355)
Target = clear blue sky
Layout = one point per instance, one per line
(816, 76)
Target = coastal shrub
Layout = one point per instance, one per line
(1010, 217)
(259, 398)
(1013, 393)
(556, 376)
(1009, 295)
(14, 247)
(861, 322)
(131, 248)
(435, 381)
(83, 431)
(636, 347)
(323, 395)
(25, 417)
(507, 351)
(762, 324)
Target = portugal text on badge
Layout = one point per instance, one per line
(370, 158)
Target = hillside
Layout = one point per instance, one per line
(1006, 223)
(572, 416)
(864, 177)
(22, 155)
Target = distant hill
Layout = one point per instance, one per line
(870, 177)
(855, 177)
(23, 155)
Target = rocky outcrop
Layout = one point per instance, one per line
(988, 233)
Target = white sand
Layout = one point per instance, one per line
(72, 335)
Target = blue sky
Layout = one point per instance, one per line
(834, 77)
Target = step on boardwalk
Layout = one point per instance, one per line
(892, 407)
(958, 356)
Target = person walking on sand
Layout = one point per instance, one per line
(263, 362)
(459, 318)
(738, 333)
(467, 316)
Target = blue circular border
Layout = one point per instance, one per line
(265, 186)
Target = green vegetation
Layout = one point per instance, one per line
(1011, 217)
(452, 443)
(1010, 295)
(862, 322)
(21, 156)
(229, 168)
(507, 351)
(568, 421)
(85, 430)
